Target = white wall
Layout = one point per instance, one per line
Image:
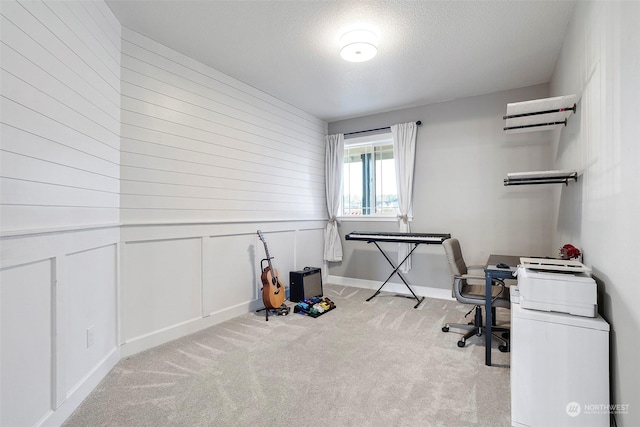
(462, 157)
(139, 240)
(600, 62)
(59, 205)
(206, 162)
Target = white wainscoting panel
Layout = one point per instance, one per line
(90, 303)
(161, 286)
(26, 354)
(308, 252)
(229, 274)
(53, 287)
(180, 278)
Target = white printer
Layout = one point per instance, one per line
(557, 285)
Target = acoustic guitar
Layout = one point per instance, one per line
(273, 292)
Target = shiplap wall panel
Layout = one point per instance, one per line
(58, 134)
(39, 22)
(206, 132)
(26, 218)
(171, 190)
(198, 145)
(34, 79)
(219, 156)
(53, 108)
(226, 88)
(214, 100)
(201, 135)
(60, 101)
(213, 179)
(201, 165)
(100, 21)
(18, 42)
(67, 39)
(28, 193)
(205, 117)
(76, 14)
(25, 151)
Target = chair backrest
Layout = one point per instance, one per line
(454, 256)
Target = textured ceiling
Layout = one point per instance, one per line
(429, 51)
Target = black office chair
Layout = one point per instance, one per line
(467, 293)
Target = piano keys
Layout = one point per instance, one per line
(397, 237)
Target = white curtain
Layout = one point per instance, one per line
(334, 160)
(404, 154)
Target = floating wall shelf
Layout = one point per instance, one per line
(539, 114)
(540, 177)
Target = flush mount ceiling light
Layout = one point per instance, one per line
(358, 45)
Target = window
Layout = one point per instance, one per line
(369, 176)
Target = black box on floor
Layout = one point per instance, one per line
(305, 284)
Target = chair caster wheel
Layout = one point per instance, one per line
(503, 348)
(445, 329)
(461, 343)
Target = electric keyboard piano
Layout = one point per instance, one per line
(428, 238)
(416, 239)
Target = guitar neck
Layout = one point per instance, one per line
(266, 251)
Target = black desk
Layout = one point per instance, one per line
(492, 272)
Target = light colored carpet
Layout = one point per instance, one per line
(377, 363)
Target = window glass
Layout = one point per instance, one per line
(369, 177)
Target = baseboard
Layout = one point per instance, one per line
(80, 392)
(156, 338)
(397, 288)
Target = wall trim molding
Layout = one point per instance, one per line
(9, 234)
(398, 288)
(218, 222)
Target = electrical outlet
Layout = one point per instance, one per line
(89, 336)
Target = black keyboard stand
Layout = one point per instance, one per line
(395, 271)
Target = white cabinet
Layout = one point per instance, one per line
(559, 369)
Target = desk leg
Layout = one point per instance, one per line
(489, 317)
